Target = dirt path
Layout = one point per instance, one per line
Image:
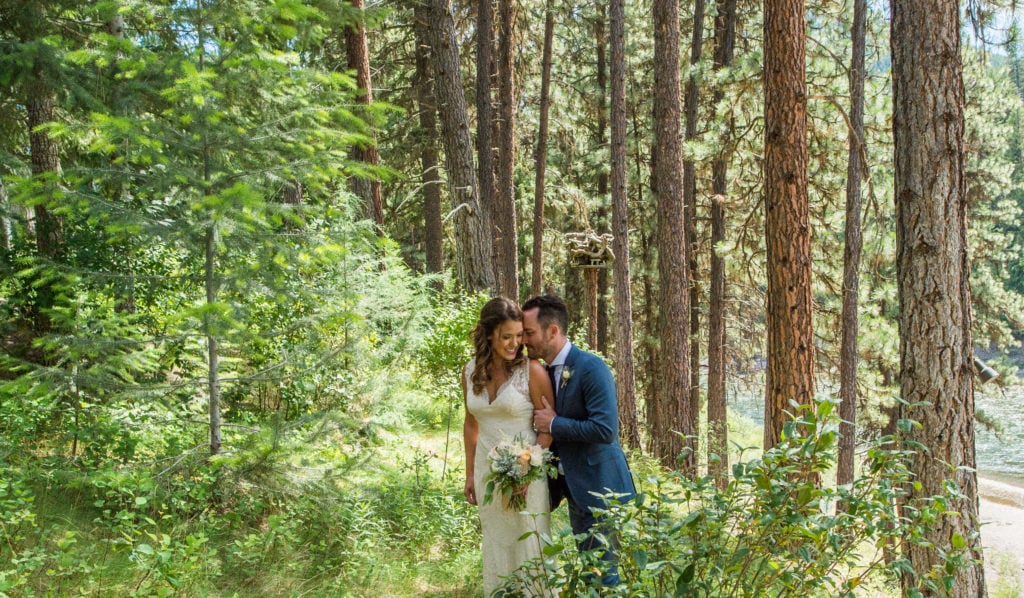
(1001, 507)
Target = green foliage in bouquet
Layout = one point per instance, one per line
(513, 465)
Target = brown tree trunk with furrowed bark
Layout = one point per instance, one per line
(670, 420)
(932, 270)
(427, 105)
(790, 373)
(629, 429)
(359, 60)
(475, 266)
(851, 255)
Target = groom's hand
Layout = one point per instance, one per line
(542, 417)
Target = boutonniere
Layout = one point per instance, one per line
(566, 374)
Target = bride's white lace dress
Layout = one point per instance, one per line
(509, 414)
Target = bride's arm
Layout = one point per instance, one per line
(470, 432)
(540, 388)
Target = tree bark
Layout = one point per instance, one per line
(601, 132)
(672, 428)
(629, 429)
(40, 103)
(485, 111)
(590, 276)
(718, 424)
(359, 60)
(541, 156)
(212, 345)
(932, 279)
(433, 239)
(475, 266)
(691, 102)
(790, 375)
(851, 255)
(506, 238)
(45, 155)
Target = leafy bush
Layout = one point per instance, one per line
(773, 531)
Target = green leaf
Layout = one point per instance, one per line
(640, 556)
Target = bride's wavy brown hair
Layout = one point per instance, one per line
(494, 313)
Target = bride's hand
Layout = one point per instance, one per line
(469, 491)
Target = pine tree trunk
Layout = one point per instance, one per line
(672, 429)
(541, 156)
(601, 132)
(629, 429)
(851, 255)
(790, 375)
(932, 278)
(49, 228)
(485, 124)
(506, 239)
(475, 265)
(359, 60)
(691, 103)
(718, 424)
(44, 152)
(433, 238)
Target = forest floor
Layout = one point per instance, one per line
(1002, 533)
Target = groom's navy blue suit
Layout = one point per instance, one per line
(585, 436)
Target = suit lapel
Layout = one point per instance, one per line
(563, 383)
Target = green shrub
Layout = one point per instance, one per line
(773, 531)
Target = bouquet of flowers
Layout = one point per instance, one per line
(514, 464)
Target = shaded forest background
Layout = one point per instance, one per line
(236, 285)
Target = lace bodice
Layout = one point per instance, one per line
(511, 411)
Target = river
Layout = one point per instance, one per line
(1000, 454)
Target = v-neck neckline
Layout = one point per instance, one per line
(497, 391)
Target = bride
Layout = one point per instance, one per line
(501, 389)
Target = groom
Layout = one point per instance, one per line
(584, 422)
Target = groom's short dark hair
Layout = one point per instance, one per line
(550, 310)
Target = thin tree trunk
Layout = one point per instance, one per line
(359, 60)
(629, 429)
(5, 208)
(718, 425)
(851, 255)
(932, 271)
(672, 430)
(691, 103)
(475, 266)
(790, 375)
(213, 357)
(211, 283)
(647, 341)
(505, 229)
(433, 239)
(541, 156)
(485, 124)
(600, 44)
(590, 276)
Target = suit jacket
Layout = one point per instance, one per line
(585, 431)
